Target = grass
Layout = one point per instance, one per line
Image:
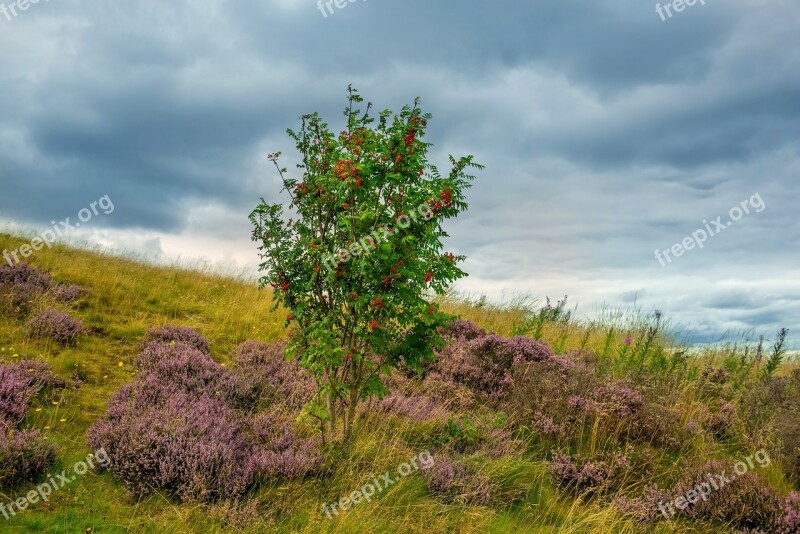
(125, 297)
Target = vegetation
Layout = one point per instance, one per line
(585, 428)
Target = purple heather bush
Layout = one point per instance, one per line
(789, 522)
(462, 329)
(20, 285)
(162, 439)
(193, 371)
(485, 364)
(281, 451)
(748, 502)
(19, 383)
(56, 326)
(644, 508)
(453, 481)
(67, 293)
(592, 475)
(263, 367)
(179, 334)
(24, 456)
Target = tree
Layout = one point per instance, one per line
(357, 264)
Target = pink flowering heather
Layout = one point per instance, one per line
(263, 366)
(454, 481)
(67, 293)
(748, 502)
(20, 285)
(178, 334)
(24, 457)
(789, 522)
(19, 383)
(184, 366)
(162, 439)
(484, 364)
(462, 329)
(644, 508)
(445, 476)
(545, 426)
(56, 326)
(280, 451)
(592, 475)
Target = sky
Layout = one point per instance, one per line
(608, 131)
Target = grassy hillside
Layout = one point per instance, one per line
(125, 298)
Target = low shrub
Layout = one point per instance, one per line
(162, 439)
(184, 366)
(747, 502)
(179, 334)
(281, 451)
(454, 481)
(24, 456)
(592, 475)
(263, 367)
(789, 522)
(67, 293)
(56, 326)
(485, 364)
(20, 286)
(19, 383)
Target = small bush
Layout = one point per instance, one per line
(789, 522)
(484, 364)
(263, 367)
(67, 293)
(454, 481)
(20, 286)
(194, 372)
(281, 452)
(462, 329)
(748, 502)
(19, 383)
(161, 439)
(24, 456)
(56, 326)
(179, 334)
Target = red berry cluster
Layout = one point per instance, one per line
(345, 169)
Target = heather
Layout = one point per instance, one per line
(56, 326)
(23, 285)
(24, 454)
(187, 426)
